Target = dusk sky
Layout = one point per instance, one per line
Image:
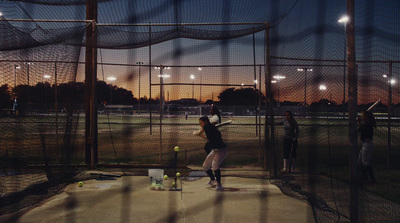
(307, 29)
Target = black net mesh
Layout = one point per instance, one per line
(160, 66)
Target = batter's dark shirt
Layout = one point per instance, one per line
(366, 131)
(214, 136)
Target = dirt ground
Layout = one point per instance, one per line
(131, 199)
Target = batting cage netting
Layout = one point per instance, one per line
(114, 86)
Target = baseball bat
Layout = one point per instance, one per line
(373, 105)
(223, 123)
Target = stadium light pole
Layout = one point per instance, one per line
(274, 82)
(344, 19)
(322, 88)
(201, 81)
(140, 63)
(192, 77)
(278, 78)
(162, 76)
(391, 82)
(28, 64)
(111, 79)
(16, 67)
(46, 77)
(305, 69)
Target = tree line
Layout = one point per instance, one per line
(73, 94)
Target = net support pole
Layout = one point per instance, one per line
(161, 109)
(56, 106)
(91, 136)
(389, 134)
(269, 135)
(255, 81)
(352, 106)
(259, 116)
(150, 122)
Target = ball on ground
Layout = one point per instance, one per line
(165, 177)
(178, 174)
(80, 184)
(176, 149)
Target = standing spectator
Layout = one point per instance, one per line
(291, 134)
(15, 106)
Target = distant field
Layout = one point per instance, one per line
(131, 139)
(323, 144)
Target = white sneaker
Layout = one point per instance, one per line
(211, 183)
(219, 187)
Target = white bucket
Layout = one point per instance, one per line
(156, 176)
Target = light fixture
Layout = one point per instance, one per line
(344, 19)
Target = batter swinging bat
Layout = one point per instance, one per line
(373, 105)
(223, 123)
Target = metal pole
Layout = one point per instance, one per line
(352, 106)
(161, 109)
(140, 65)
(56, 106)
(28, 73)
(269, 138)
(389, 114)
(111, 93)
(344, 73)
(255, 80)
(305, 92)
(91, 135)
(15, 76)
(151, 127)
(192, 88)
(139, 84)
(259, 116)
(279, 89)
(201, 82)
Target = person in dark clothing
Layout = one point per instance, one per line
(366, 125)
(291, 134)
(214, 119)
(218, 153)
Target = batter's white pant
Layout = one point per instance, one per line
(215, 159)
(364, 158)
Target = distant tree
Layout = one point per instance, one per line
(241, 96)
(5, 97)
(320, 103)
(71, 95)
(209, 102)
(144, 100)
(122, 96)
(104, 92)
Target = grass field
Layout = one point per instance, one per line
(323, 144)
